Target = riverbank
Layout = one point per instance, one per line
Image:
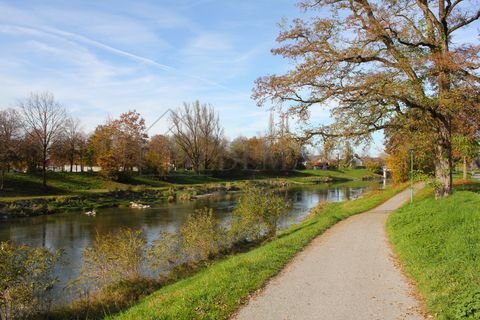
(218, 291)
(24, 195)
(34, 206)
(438, 243)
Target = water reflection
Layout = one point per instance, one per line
(73, 232)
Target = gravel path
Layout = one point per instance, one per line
(349, 272)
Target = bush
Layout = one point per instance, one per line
(201, 234)
(257, 215)
(112, 258)
(374, 166)
(25, 280)
(165, 251)
(199, 238)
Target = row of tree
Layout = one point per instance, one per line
(196, 142)
(39, 135)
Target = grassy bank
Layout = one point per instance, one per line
(438, 242)
(25, 196)
(30, 184)
(217, 291)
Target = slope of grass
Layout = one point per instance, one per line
(300, 176)
(438, 241)
(217, 291)
(335, 175)
(25, 185)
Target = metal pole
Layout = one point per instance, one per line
(411, 175)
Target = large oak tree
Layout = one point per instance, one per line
(375, 61)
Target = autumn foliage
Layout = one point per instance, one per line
(118, 144)
(381, 65)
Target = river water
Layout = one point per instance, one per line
(73, 232)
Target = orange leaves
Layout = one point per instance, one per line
(117, 145)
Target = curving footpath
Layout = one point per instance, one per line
(349, 272)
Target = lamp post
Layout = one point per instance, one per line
(411, 174)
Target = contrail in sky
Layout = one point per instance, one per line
(65, 35)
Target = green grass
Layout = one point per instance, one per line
(438, 242)
(22, 184)
(299, 176)
(334, 175)
(219, 290)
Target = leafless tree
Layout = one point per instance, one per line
(82, 149)
(197, 132)
(73, 136)
(44, 119)
(10, 125)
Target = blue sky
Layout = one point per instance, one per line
(102, 58)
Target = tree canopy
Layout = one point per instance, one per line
(379, 65)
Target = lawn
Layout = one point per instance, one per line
(337, 175)
(22, 184)
(438, 242)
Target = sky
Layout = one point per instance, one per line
(102, 58)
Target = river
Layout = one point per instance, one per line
(74, 231)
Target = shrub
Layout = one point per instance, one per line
(257, 214)
(201, 234)
(25, 280)
(165, 251)
(112, 258)
(374, 167)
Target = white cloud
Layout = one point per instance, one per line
(207, 42)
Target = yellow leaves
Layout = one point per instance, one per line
(113, 257)
(25, 279)
(159, 155)
(201, 234)
(117, 145)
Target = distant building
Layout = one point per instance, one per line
(356, 162)
(316, 163)
(320, 165)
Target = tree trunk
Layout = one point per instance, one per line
(44, 167)
(443, 149)
(2, 178)
(140, 162)
(44, 174)
(465, 176)
(443, 167)
(245, 160)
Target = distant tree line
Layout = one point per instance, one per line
(39, 135)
